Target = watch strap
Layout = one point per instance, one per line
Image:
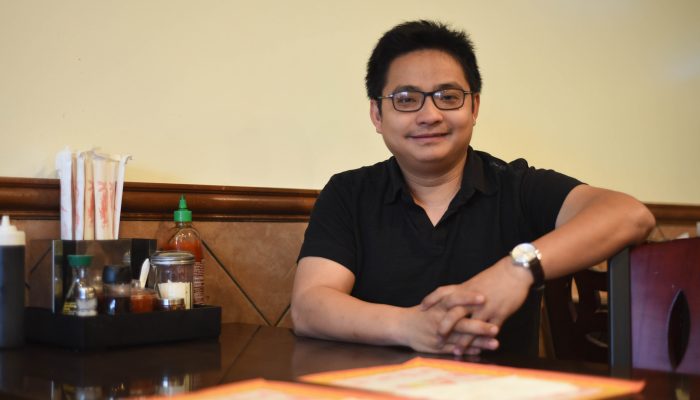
(526, 255)
(535, 267)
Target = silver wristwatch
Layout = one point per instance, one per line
(527, 256)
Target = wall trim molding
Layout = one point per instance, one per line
(675, 213)
(34, 198)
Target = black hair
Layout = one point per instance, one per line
(420, 35)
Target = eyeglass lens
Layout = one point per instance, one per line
(447, 99)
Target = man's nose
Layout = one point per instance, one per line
(429, 113)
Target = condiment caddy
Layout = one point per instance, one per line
(128, 329)
(107, 307)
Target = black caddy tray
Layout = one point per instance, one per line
(103, 331)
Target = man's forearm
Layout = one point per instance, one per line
(591, 229)
(328, 314)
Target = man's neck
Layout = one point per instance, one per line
(435, 190)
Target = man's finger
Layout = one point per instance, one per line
(485, 343)
(473, 345)
(490, 316)
(456, 343)
(463, 298)
(435, 296)
(476, 327)
(452, 316)
(462, 344)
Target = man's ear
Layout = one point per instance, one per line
(476, 102)
(375, 115)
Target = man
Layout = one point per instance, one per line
(442, 248)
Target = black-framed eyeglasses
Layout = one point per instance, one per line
(413, 100)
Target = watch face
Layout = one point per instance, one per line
(524, 253)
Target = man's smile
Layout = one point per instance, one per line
(427, 136)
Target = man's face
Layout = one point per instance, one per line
(429, 139)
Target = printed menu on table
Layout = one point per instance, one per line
(422, 378)
(262, 389)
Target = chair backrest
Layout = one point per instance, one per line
(654, 304)
(576, 316)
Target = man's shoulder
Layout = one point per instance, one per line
(519, 176)
(495, 166)
(376, 174)
(357, 188)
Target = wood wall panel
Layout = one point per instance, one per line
(668, 214)
(27, 198)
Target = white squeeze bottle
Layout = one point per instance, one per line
(11, 285)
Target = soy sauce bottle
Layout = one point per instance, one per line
(116, 281)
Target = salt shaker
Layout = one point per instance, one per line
(85, 301)
(12, 244)
(81, 299)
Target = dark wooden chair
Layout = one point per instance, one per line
(576, 313)
(654, 304)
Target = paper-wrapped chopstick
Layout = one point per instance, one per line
(91, 194)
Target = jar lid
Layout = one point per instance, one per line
(142, 292)
(79, 260)
(116, 274)
(172, 257)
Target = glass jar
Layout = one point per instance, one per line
(116, 282)
(174, 275)
(142, 300)
(81, 299)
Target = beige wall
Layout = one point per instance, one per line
(270, 93)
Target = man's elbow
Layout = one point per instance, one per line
(643, 222)
(299, 324)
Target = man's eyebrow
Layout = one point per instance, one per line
(405, 88)
(449, 85)
(446, 85)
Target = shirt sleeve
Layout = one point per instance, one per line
(330, 233)
(543, 192)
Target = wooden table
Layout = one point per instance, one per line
(242, 352)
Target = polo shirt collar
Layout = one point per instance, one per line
(396, 182)
(473, 179)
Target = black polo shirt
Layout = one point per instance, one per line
(366, 220)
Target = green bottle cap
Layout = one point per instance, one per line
(183, 214)
(79, 260)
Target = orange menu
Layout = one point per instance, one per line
(262, 389)
(422, 378)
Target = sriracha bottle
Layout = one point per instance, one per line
(186, 238)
